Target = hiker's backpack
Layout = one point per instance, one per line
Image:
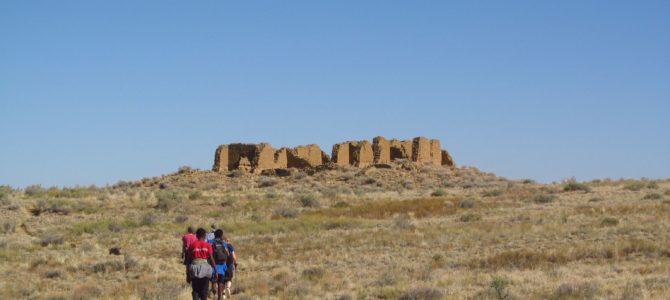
(220, 252)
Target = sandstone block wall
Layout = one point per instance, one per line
(259, 157)
(421, 150)
(360, 153)
(381, 148)
(401, 149)
(446, 159)
(435, 152)
(341, 154)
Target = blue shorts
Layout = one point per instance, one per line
(221, 270)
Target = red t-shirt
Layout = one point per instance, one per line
(187, 240)
(200, 249)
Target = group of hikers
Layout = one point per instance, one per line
(208, 257)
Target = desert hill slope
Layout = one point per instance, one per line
(400, 230)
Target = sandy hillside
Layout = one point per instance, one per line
(403, 231)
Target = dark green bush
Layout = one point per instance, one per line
(543, 198)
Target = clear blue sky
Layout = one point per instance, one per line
(92, 92)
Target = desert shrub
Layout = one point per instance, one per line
(309, 200)
(180, 219)
(195, 195)
(299, 175)
(286, 212)
(438, 193)
(492, 193)
(341, 204)
(184, 170)
(543, 198)
(168, 200)
(51, 239)
(86, 291)
(344, 297)
(367, 180)
(635, 186)
(115, 227)
(667, 192)
(228, 200)
(8, 227)
(130, 262)
(268, 182)
(313, 274)
(333, 192)
(473, 217)
(149, 219)
(237, 173)
(403, 221)
(652, 185)
(609, 221)
(467, 203)
(107, 266)
(422, 293)
(586, 290)
(34, 190)
(438, 261)
(652, 196)
(52, 274)
(500, 284)
(271, 194)
(573, 186)
(597, 199)
(408, 184)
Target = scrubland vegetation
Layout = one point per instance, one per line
(408, 232)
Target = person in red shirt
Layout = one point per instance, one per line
(186, 241)
(201, 266)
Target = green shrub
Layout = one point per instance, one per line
(492, 193)
(585, 290)
(309, 200)
(168, 200)
(34, 190)
(438, 193)
(467, 203)
(609, 221)
(51, 239)
(195, 195)
(228, 200)
(500, 284)
(652, 196)
(573, 186)
(237, 173)
(543, 198)
(149, 219)
(341, 204)
(422, 293)
(268, 182)
(313, 274)
(635, 186)
(288, 213)
(472, 217)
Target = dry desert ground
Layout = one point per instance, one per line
(401, 231)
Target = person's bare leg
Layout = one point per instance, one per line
(219, 290)
(228, 284)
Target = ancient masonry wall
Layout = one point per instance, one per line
(258, 157)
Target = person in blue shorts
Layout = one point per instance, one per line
(220, 255)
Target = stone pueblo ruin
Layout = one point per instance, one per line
(263, 158)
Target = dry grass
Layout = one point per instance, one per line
(408, 232)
